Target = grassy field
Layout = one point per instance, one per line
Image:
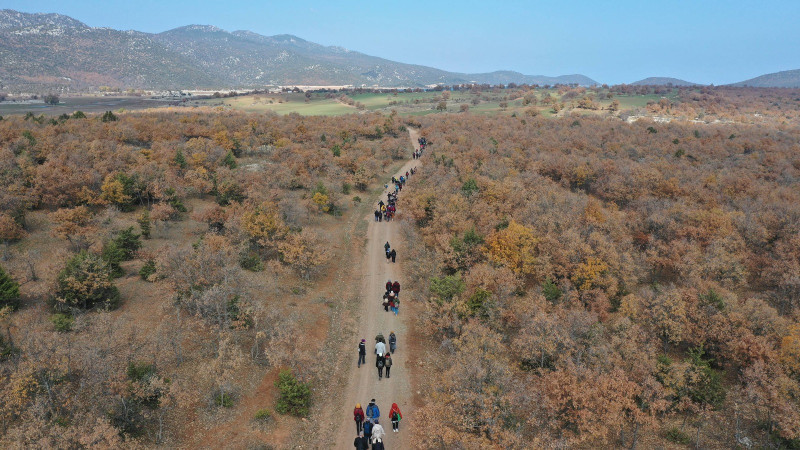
(322, 104)
(317, 104)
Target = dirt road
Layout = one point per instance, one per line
(363, 383)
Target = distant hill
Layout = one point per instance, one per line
(41, 52)
(663, 81)
(785, 79)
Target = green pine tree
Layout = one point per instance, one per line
(9, 290)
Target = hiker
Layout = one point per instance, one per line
(392, 342)
(396, 288)
(358, 417)
(380, 348)
(378, 215)
(392, 301)
(386, 301)
(395, 306)
(378, 445)
(380, 203)
(379, 337)
(387, 362)
(393, 254)
(361, 442)
(373, 413)
(362, 352)
(395, 416)
(377, 434)
(387, 246)
(380, 363)
(368, 427)
(388, 255)
(388, 286)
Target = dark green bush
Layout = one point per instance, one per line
(149, 268)
(62, 322)
(295, 396)
(9, 291)
(86, 282)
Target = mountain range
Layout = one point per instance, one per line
(662, 81)
(46, 51)
(53, 52)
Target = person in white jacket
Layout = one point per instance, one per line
(380, 348)
(378, 433)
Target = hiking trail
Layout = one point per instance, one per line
(362, 383)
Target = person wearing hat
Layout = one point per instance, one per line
(362, 352)
(358, 417)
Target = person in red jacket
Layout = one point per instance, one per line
(396, 288)
(395, 415)
(358, 416)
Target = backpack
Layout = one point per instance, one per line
(381, 363)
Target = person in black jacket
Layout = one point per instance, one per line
(362, 352)
(393, 254)
(361, 442)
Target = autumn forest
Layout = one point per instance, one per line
(184, 277)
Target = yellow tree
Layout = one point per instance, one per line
(264, 224)
(304, 251)
(514, 247)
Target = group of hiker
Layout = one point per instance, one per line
(422, 144)
(391, 254)
(386, 210)
(391, 298)
(368, 425)
(384, 358)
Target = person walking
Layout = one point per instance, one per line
(387, 246)
(386, 302)
(395, 416)
(392, 342)
(358, 417)
(362, 352)
(377, 215)
(392, 301)
(368, 424)
(361, 442)
(393, 254)
(396, 288)
(380, 363)
(388, 363)
(378, 434)
(373, 412)
(380, 348)
(389, 286)
(396, 305)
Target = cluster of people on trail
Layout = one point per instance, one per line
(391, 254)
(422, 144)
(391, 298)
(368, 427)
(386, 210)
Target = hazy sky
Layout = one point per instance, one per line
(614, 41)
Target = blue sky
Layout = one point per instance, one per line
(615, 41)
